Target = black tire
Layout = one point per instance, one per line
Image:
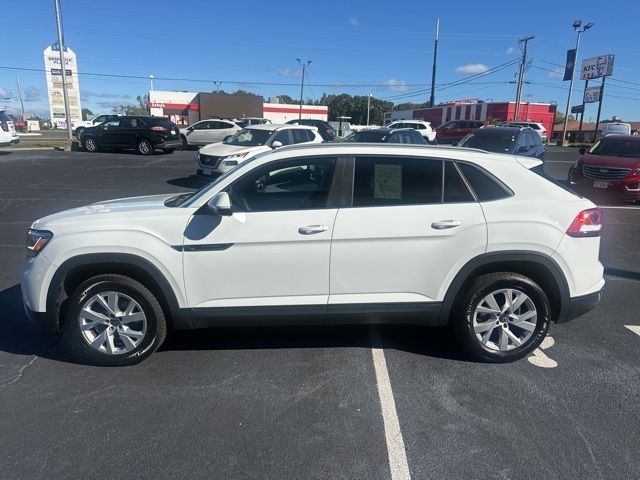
(184, 144)
(462, 318)
(156, 325)
(144, 147)
(168, 150)
(90, 144)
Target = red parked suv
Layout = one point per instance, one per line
(453, 132)
(612, 164)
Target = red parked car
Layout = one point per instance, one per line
(611, 165)
(456, 130)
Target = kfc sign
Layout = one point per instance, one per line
(597, 67)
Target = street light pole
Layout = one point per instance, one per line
(576, 27)
(61, 47)
(304, 66)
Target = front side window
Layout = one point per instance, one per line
(382, 181)
(299, 184)
(112, 124)
(283, 137)
(300, 135)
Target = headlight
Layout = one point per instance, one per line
(37, 240)
(637, 172)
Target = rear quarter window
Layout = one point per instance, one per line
(485, 186)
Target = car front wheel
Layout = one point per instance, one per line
(145, 147)
(90, 145)
(503, 317)
(113, 320)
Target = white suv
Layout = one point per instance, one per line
(332, 234)
(8, 134)
(423, 128)
(218, 158)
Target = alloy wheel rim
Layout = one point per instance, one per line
(112, 323)
(505, 319)
(144, 147)
(90, 144)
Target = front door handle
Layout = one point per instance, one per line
(311, 229)
(444, 224)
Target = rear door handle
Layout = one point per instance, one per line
(444, 224)
(311, 229)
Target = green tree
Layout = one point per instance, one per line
(560, 118)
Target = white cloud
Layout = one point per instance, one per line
(395, 85)
(107, 104)
(510, 51)
(85, 94)
(557, 73)
(354, 22)
(4, 92)
(31, 94)
(287, 72)
(472, 68)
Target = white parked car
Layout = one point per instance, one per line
(205, 132)
(331, 234)
(220, 157)
(423, 128)
(538, 127)
(8, 134)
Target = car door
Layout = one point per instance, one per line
(198, 134)
(522, 144)
(108, 133)
(274, 249)
(127, 133)
(405, 235)
(221, 130)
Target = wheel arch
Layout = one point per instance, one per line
(540, 267)
(77, 269)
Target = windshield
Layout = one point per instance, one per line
(249, 137)
(367, 137)
(617, 128)
(495, 142)
(616, 148)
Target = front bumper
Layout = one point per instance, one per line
(578, 306)
(623, 189)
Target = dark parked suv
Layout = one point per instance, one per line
(325, 129)
(513, 140)
(142, 133)
(387, 135)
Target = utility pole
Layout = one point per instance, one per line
(432, 99)
(151, 83)
(304, 66)
(576, 28)
(20, 95)
(368, 107)
(523, 64)
(586, 85)
(595, 131)
(63, 69)
(217, 84)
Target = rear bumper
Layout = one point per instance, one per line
(578, 306)
(172, 143)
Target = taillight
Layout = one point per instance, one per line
(587, 223)
(5, 126)
(158, 129)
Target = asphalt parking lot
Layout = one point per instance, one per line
(294, 403)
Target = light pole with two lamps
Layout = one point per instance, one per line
(576, 27)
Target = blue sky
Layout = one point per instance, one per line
(384, 45)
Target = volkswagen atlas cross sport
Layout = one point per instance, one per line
(328, 234)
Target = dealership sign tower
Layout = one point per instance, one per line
(53, 72)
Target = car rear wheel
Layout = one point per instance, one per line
(145, 147)
(184, 144)
(113, 320)
(503, 317)
(90, 145)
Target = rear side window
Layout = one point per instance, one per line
(382, 181)
(4, 117)
(455, 190)
(485, 186)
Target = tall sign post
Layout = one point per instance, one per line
(597, 67)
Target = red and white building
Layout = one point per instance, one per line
(474, 109)
(283, 112)
(183, 108)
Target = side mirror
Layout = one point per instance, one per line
(220, 203)
(276, 144)
(522, 149)
(582, 151)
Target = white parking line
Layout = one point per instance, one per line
(395, 443)
(539, 358)
(634, 328)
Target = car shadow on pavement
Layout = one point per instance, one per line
(616, 272)
(192, 181)
(20, 337)
(5, 152)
